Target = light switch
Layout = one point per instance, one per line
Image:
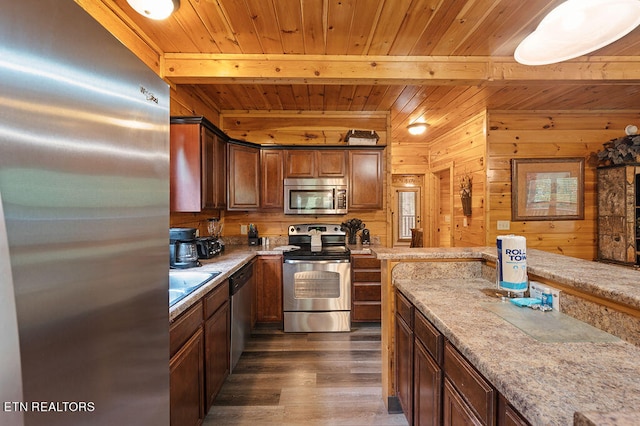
(243, 230)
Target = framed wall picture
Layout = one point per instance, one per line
(547, 189)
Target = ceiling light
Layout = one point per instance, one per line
(577, 27)
(417, 128)
(155, 9)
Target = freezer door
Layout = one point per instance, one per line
(10, 367)
(84, 175)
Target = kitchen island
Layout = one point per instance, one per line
(547, 381)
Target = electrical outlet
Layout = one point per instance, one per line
(504, 225)
(244, 230)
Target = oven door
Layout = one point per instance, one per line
(316, 285)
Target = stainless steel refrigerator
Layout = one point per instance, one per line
(84, 182)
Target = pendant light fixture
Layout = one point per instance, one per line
(577, 27)
(417, 128)
(155, 9)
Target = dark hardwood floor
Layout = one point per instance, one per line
(306, 379)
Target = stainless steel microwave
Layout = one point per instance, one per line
(315, 196)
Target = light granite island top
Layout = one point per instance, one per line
(550, 383)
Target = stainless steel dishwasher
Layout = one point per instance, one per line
(241, 289)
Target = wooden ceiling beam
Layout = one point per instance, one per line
(189, 68)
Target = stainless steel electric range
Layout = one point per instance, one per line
(317, 280)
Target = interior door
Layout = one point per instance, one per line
(407, 208)
(441, 204)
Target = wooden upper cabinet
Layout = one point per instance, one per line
(331, 163)
(197, 164)
(244, 177)
(365, 179)
(315, 163)
(300, 164)
(272, 194)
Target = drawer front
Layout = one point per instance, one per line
(404, 308)
(216, 298)
(429, 336)
(184, 326)
(367, 292)
(366, 276)
(476, 391)
(366, 311)
(365, 262)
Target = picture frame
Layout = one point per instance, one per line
(547, 189)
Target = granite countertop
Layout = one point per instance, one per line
(617, 283)
(231, 260)
(546, 382)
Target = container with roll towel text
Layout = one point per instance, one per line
(511, 267)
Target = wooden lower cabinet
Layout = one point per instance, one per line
(480, 396)
(435, 384)
(404, 355)
(456, 411)
(509, 416)
(217, 334)
(200, 340)
(186, 368)
(268, 287)
(427, 372)
(366, 291)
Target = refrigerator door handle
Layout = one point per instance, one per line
(10, 365)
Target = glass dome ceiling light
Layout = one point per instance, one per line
(577, 27)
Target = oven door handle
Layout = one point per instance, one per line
(317, 261)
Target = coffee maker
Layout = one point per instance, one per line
(183, 250)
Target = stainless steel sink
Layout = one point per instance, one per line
(182, 283)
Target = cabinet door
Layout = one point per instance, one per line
(272, 196)
(365, 179)
(478, 394)
(269, 289)
(185, 173)
(404, 367)
(217, 347)
(244, 178)
(209, 188)
(427, 387)
(220, 172)
(300, 164)
(456, 411)
(331, 163)
(187, 383)
(509, 416)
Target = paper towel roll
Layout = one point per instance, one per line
(512, 263)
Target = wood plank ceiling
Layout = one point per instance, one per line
(437, 60)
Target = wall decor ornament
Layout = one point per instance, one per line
(465, 194)
(622, 150)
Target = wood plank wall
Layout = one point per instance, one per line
(301, 127)
(548, 134)
(465, 148)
